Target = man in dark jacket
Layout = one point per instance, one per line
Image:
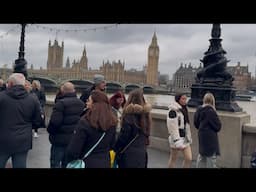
(99, 84)
(16, 133)
(64, 118)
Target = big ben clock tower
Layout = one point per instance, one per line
(153, 57)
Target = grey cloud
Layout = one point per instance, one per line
(129, 42)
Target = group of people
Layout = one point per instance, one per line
(208, 124)
(77, 124)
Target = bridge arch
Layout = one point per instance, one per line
(148, 89)
(113, 86)
(130, 87)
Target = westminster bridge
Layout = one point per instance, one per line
(51, 85)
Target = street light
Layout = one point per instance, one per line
(20, 65)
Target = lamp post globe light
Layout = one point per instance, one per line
(20, 65)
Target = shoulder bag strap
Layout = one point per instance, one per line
(124, 149)
(95, 145)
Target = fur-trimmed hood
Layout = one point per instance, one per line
(175, 106)
(137, 109)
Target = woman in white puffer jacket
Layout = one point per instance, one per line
(179, 131)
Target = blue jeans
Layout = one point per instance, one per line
(206, 162)
(19, 160)
(57, 158)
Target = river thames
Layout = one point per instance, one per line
(164, 100)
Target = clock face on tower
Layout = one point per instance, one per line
(157, 52)
(151, 52)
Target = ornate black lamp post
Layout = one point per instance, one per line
(214, 77)
(20, 63)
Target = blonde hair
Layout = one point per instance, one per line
(28, 86)
(36, 84)
(209, 99)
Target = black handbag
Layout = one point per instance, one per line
(182, 132)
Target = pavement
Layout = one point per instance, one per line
(39, 156)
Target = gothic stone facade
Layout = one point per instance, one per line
(242, 77)
(112, 71)
(184, 77)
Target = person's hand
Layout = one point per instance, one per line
(179, 144)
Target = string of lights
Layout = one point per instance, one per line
(58, 30)
(74, 30)
(10, 30)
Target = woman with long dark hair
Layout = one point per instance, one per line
(131, 145)
(97, 120)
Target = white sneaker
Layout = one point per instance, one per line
(35, 134)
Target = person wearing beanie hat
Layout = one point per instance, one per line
(99, 84)
(98, 79)
(179, 131)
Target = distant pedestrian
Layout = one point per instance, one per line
(179, 131)
(207, 122)
(19, 113)
(64, 118)
(99, 84)
(38, 91)
(28, 87)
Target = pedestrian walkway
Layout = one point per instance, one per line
(39, 156)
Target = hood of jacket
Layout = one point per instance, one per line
(203, 110)
(17, 92)
(175, 106)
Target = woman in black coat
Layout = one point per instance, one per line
(132, 142)
(97, 120)
(208, 124)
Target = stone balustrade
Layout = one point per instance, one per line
(237, 137)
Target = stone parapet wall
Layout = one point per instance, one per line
(237, 137)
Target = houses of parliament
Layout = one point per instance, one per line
(114, 71)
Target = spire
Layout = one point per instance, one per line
(55, 42)
(84, 52)
(154, 40)
(68, 63)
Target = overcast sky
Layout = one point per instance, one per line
(129, 42)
